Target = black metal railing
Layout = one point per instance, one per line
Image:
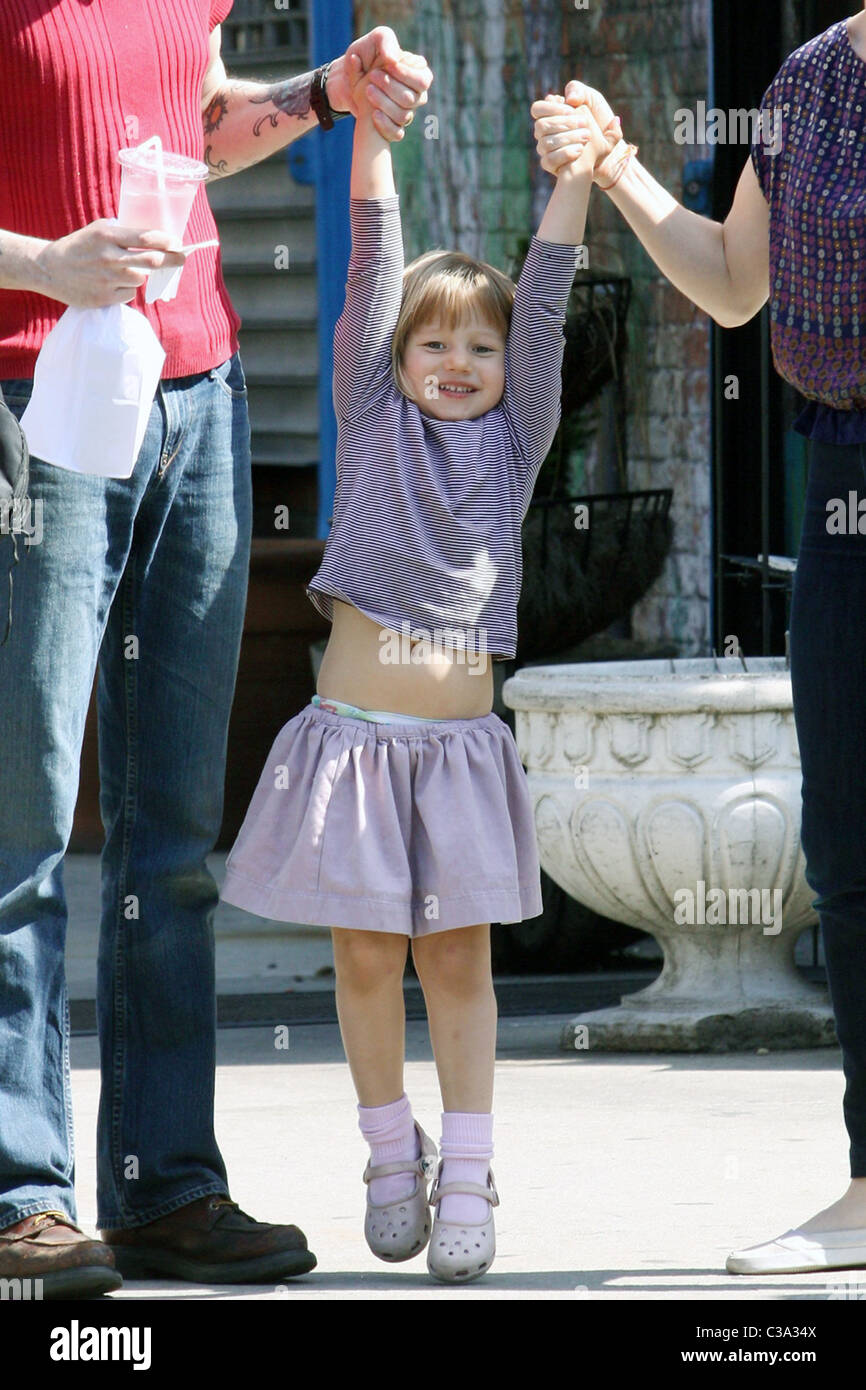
(585, 569)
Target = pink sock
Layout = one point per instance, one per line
(390, 1132)
(466, 1150)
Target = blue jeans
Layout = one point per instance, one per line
(148, 575)
(828, 670)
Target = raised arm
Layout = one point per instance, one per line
(374, 287)
(533, 355)
(247, 121)
(722, 267)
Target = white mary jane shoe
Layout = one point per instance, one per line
(460, 1251)
(798, 1252)
(400, 1230)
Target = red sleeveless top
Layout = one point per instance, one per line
(81, 80)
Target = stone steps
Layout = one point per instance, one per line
(263, 216)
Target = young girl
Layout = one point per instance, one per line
(395, 806)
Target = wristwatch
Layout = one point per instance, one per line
(319, 99)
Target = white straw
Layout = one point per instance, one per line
(160, 166)
(155, 144)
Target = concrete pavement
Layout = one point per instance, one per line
(621, 1178)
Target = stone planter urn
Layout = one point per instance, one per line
(667, 797)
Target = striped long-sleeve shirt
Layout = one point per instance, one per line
(425, 537)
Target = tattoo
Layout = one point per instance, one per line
(291, 97)
(215, 112)
(218, 167)
(212, 120)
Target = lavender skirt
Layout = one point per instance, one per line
(388, 827)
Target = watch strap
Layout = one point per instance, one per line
(319, 102)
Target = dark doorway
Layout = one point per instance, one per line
(818, 15)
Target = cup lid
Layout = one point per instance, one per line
(174, 166)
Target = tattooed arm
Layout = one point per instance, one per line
(247, 121)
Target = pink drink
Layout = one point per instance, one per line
(142, 202)
(157, 191)
(145, 207)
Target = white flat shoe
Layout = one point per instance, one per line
(795, 1252)
(460, 1251)
(399, 1230)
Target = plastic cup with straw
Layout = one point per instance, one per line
(157, 191)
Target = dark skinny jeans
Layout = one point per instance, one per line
(828, 669)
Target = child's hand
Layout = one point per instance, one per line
(576, 142)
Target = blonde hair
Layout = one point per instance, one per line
(449, 287)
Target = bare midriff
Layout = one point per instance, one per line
(358, 668)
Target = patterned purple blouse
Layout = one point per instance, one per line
(815, 185)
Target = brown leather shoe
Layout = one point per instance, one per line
(50, 1248)
(211, 1241)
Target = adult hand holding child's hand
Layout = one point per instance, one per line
(574, 142)
(552, 123)
(366, 91)
(397, 81)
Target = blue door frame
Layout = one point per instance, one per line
(324, 158)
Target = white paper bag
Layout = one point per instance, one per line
(93, 387)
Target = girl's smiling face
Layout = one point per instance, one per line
(455, 373)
